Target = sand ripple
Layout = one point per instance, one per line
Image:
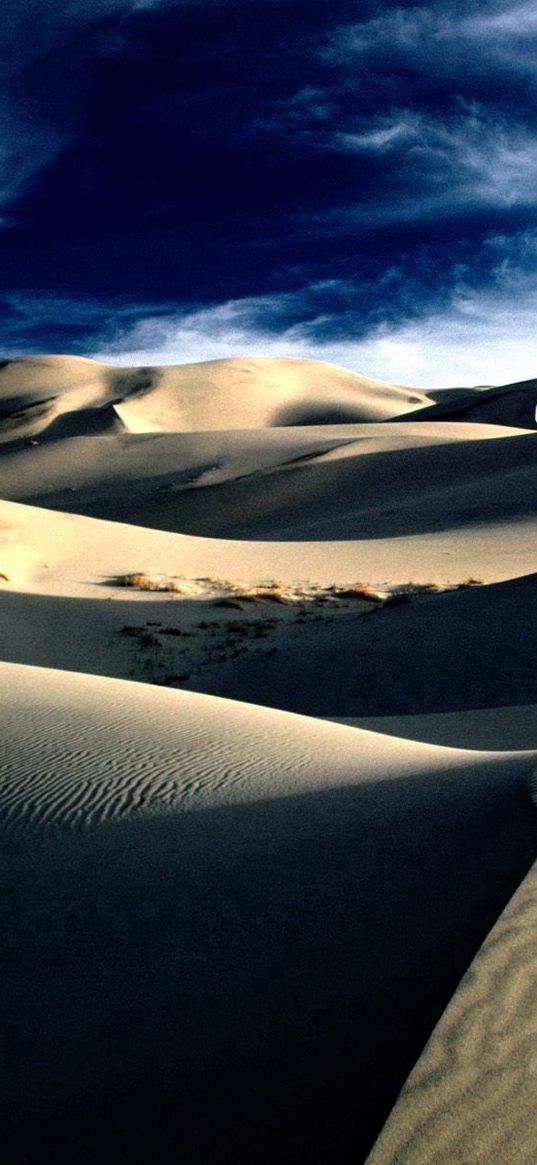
(471, 1096)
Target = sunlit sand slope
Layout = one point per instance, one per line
(471, 1096)
(64, 395)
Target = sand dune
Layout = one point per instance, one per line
(311, 482)
(219, 888)
(360, 493)
(54, 396)
(471, 1094)
(435, 653)
(52, 553)
(440, 652)
(232, 923)
(504, 728)
(508, 404)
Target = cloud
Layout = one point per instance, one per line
(439, 36)
(435, 168)
(172, 155)
(478, 339)
(476, 336)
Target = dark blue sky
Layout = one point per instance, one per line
(193, 178)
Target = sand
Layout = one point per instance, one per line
(268, 717)
(471, 1095)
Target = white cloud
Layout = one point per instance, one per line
(382, 135)
(440, 31)
(440, 166)
(480, 337)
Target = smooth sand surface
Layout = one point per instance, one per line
(508, 404)
(63, 395)
(232, 924)
(56, 553)
(327, 483)
(512, 727)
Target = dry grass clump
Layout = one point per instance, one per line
(356, 590)
(228, 593)
(141, 581)
(274, 592)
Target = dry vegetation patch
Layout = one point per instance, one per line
(232, 594)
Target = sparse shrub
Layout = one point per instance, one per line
(356, 590)
(148, 640)
(142, 581)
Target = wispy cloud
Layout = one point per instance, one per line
(477, 336)
(477, 339)
(41, 108)
(440, 34)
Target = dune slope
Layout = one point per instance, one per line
(208, 915)
(471, 1095)
(507, 404)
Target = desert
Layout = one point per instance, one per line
(269, 737)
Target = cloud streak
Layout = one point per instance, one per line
(473, 337)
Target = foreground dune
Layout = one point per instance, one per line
(208, 914)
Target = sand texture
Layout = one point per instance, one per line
(471, 1096)
(268, 726)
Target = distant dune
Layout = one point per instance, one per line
(65, 395)
(268, 708)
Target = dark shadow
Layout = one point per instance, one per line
(475, 648)
(510, 404)
(247, 983)
(22, 408)
(320, 413)
(130, 382)
(83, 423)
(380, 495)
